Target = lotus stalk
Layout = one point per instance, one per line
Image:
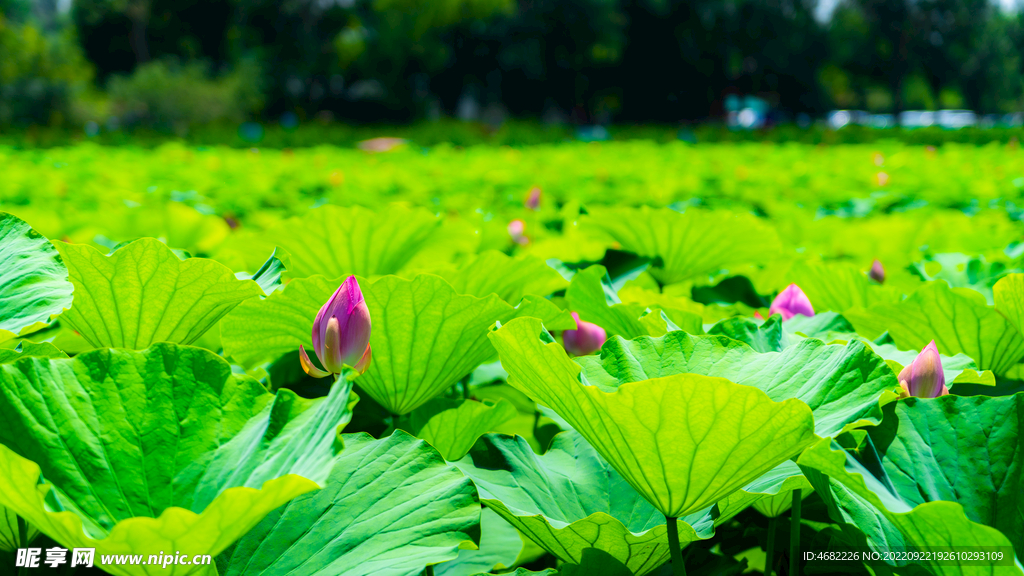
(794, 532)
(533, 198)
(341, 333)
(923, 378)
(586, 339)
(769, 558)
(675, 551)
(790, 302)
(877, 272)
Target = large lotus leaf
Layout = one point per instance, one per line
(889, 522)
(961, 449)
(142, 293)
(683, 441)
(160, 441)
(839, 286)
(1009, 299)
(452, 426)
(335, 241)
(592, 296)
(511, 278)
(771, 494)
(500, 546)
(390, 507)
(33, 279)
(841, 384)
(570, 500)
(957, 323)
(263, 330)
(689, 244)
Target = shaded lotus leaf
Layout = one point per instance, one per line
(763, 337)
(570, 500)
(33, 279)
(689, 244)
(10, 532)
(335, 241)
(143, 293)
(389, 507)
(683, 441)
(958, 324)
(148, 450)
(453, 426)
(500, 545)
(771, 494)
(843, 385)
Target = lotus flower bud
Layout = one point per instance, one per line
(517, 230)
(790, 302)
(923, 377)
(533, 199)
(341, 333)
(877, 273)
(585, 339)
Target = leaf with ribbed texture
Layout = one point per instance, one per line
(765, 337)
(335, 241)
(33, 279)
(390, 507)
(571, 500)
(683, 441)
(511, 278)
(689, 244)
(841, 384)
(452, 426)
(956, 322)
(155, 449)
(142, 294)
(1008, 293)
(855, 496)
(839, 286)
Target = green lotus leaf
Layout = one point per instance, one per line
(143, 293)
(960, 449)
(33, 280)
(570, 500)
(856, 497)
(268, 276)
(841, 384)
(764, 337)
(956, 322)
(500, 545)
(689, 244)
(138, 448)
(771, 494)
(335, 241)
(683, 441)
(390, 506)
(26, 348)
(511, 278)
(453, 426)
(592, 296)
(1008, 294)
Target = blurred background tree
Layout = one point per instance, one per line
(581, 61)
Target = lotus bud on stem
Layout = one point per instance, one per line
(587, 338)
(790, 302)
(923, 378)
(341, 333)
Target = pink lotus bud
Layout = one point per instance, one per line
(882, 178)
(585, 339)
(790, 302)
(383, 144)
(923, 377)
(877, 273)
(341, 333)
(533, 199)
(517, 230)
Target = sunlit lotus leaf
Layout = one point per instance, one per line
(452, 426)
(683, 441)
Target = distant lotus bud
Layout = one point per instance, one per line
(533, 199)
(341, 333)
(877, 273)
(585, 339)
(879, 159)
(923, 378)
(517, 230)
(383, 144)
(882, 178)
(790, 302)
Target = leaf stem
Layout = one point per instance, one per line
(794, 534)
(429, 571)
(23, 539)
(770, 552)
(676, 552)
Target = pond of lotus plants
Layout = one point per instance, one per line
(718, 384)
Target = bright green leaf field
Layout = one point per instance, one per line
(153, 406)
